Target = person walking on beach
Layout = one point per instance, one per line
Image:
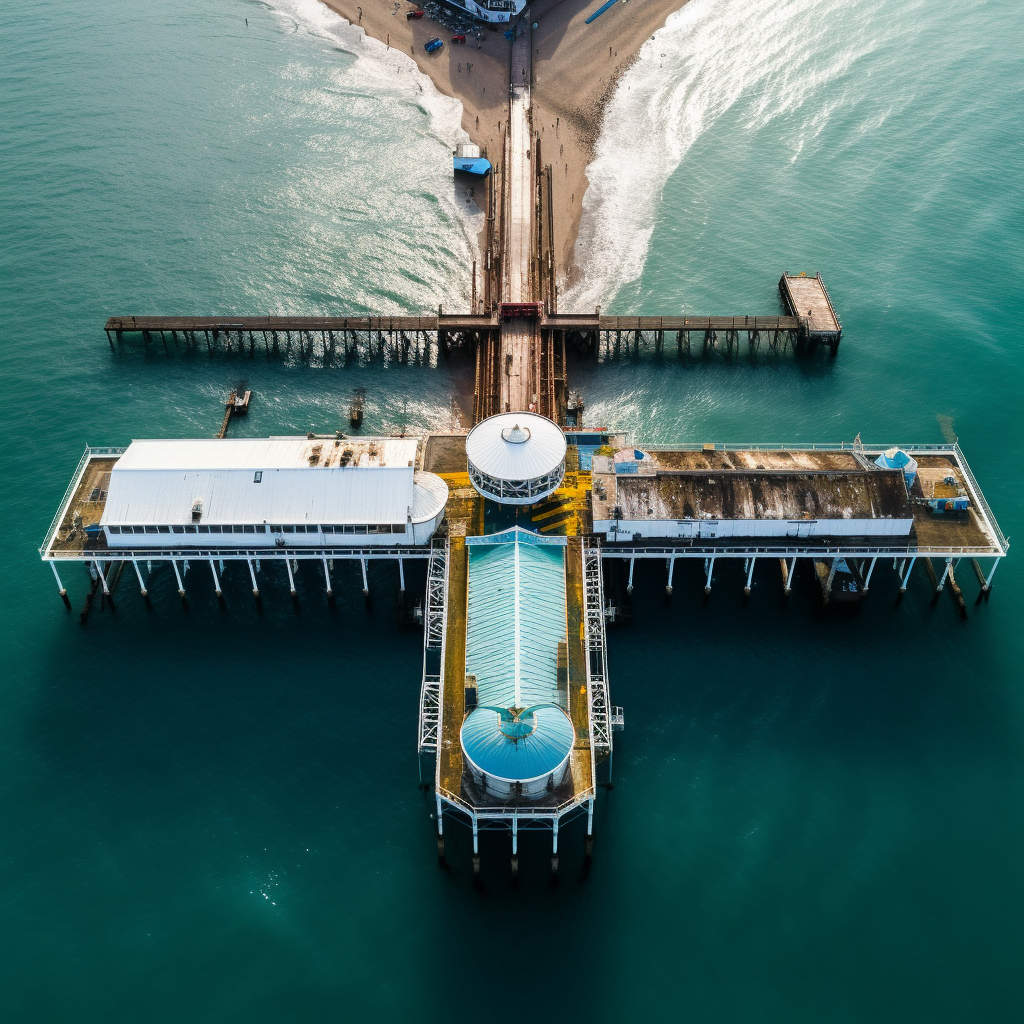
(360, 10)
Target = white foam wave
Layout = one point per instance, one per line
(409, 234)
(772, 55)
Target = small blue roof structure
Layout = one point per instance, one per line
(479, 166)
(897, 458)
(518, 748)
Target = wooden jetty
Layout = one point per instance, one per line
(807, 297)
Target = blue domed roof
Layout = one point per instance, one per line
(516, 748)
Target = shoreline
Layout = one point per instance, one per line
(576, 68)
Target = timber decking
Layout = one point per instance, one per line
(807, 297)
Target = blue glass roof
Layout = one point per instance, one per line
(516, 617)
(516, 749)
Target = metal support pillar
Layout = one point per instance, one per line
(789, 576)
(291, 578)
(515, 845)
(103, 579)
(60, 586)
(671, 564)
(476, 848)
(252, 576)
(871, 569)
(629, 585)
(988, 582)
(177, 576)
(554, 847)
(750, 576)
(142, 582)
(366, 586)
(945, 573)
(831, 577)
(216, 582)
(709, 564)
(904, 579)
(440, 831)
(401, 576)
(327, 576)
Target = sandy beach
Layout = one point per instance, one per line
(576, 67)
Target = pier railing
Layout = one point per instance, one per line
(76, 478)
(979, 498)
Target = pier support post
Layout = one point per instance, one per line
(401, 576)
(988, 581)
(515, 845)
(629, 585)
(942, 579)
(177, 576)
(476, 847)
(905, 578)
(590, 829)
(789, 577)
(103, 579)
(142, 582)
(671, 564)
(831, 578)
(216, 582)
(327, 576)
(871, 569)
(60, 586)
(252, 576)
(750, 576)
(709, 564)
(554, 847)
(440, 833)
(291, 578)
(366, 586)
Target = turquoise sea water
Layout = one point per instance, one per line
(213, 815)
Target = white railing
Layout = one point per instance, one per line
(596, 651)
(307, 552)
(434, 620)
(684, 549)
(70, 492)
(979, 498)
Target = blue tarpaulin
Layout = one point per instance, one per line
(478, 165)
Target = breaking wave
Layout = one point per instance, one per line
(765, 59)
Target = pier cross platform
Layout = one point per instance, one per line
(527, 524)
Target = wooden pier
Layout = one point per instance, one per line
(807, 298)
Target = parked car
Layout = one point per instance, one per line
(433, 44)
(460, 38)
(409, 15)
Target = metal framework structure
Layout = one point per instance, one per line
(596, 652)
(434, 619)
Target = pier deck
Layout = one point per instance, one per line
(808, 298)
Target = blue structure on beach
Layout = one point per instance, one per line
(469, 161)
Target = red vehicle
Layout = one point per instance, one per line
(460, 38)
(409, 15)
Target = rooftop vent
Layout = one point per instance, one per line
(197, 510)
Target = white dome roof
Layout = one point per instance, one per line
(516, 446)
(429, 496)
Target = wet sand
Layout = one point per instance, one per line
(575, 67)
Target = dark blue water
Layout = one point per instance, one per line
(213, 815)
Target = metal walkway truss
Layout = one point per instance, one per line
(434, 618)
(596, 650)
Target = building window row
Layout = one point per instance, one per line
(349, 528)
(516, 488)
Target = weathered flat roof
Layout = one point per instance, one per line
(753, 494)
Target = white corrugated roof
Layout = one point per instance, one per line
(158, 481)
(491, 450)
